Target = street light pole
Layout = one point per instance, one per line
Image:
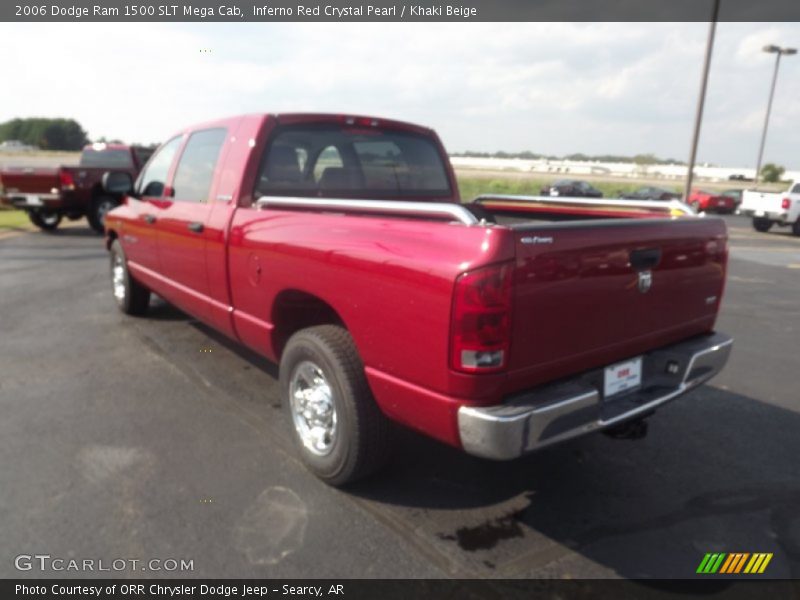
(698, 119)
(778, 51)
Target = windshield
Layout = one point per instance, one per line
(107, 158)
(333, 160)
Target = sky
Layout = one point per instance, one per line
(551, 88)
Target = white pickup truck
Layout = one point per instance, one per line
(777, 208)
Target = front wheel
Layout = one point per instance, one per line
(761, 224)
(98, 211)
(131, 297)
(45, 220)
(340, 432)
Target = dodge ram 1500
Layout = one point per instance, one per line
(338, 247)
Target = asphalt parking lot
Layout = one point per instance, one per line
(156, 438)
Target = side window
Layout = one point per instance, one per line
(196, 166)
(328, 158)
(153, 178)
(795, 189)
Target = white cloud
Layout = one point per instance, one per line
(548, 87)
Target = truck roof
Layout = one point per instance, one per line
(367, 120)
(294, 118)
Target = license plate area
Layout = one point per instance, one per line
(622, 377)
(32, 200)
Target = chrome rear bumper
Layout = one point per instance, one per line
(561, 411)
(778, 217)
(32, 201)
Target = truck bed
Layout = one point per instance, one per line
(761, 203)
(29, 180)
(578, 300)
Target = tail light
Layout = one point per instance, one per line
(66, 180)
(786, 203)
(717, 249)
(359, 121)
(481, 320)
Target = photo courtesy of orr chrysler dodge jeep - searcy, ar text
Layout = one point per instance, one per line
(338, 247)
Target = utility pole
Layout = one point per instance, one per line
(698, 119)
(778, 51)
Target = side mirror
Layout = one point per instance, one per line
(117, 182)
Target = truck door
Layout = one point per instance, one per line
(140, 237)
(182, 220)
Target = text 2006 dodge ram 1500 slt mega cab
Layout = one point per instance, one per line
(338, 247)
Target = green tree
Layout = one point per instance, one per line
(49, 134)
(772, 173)
(645, 159)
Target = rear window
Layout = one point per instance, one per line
(332, 160)
(107, 158)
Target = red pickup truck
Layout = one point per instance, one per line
(338, 247)
(49, 194)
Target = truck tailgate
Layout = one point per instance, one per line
(27, 180)
(761, 202)
(589, 294)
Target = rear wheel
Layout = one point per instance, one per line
(796, 227)
(761, 224)
(98, 210)
(45, 220)
(131, 297)
(340, 432)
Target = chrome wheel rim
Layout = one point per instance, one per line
(118, 278)
(49, 218)
(313, 408)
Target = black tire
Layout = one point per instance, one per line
(761, 224)
(361, 438)
(796, 227)
(97, 212)
(132, 297)
(45, 220)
